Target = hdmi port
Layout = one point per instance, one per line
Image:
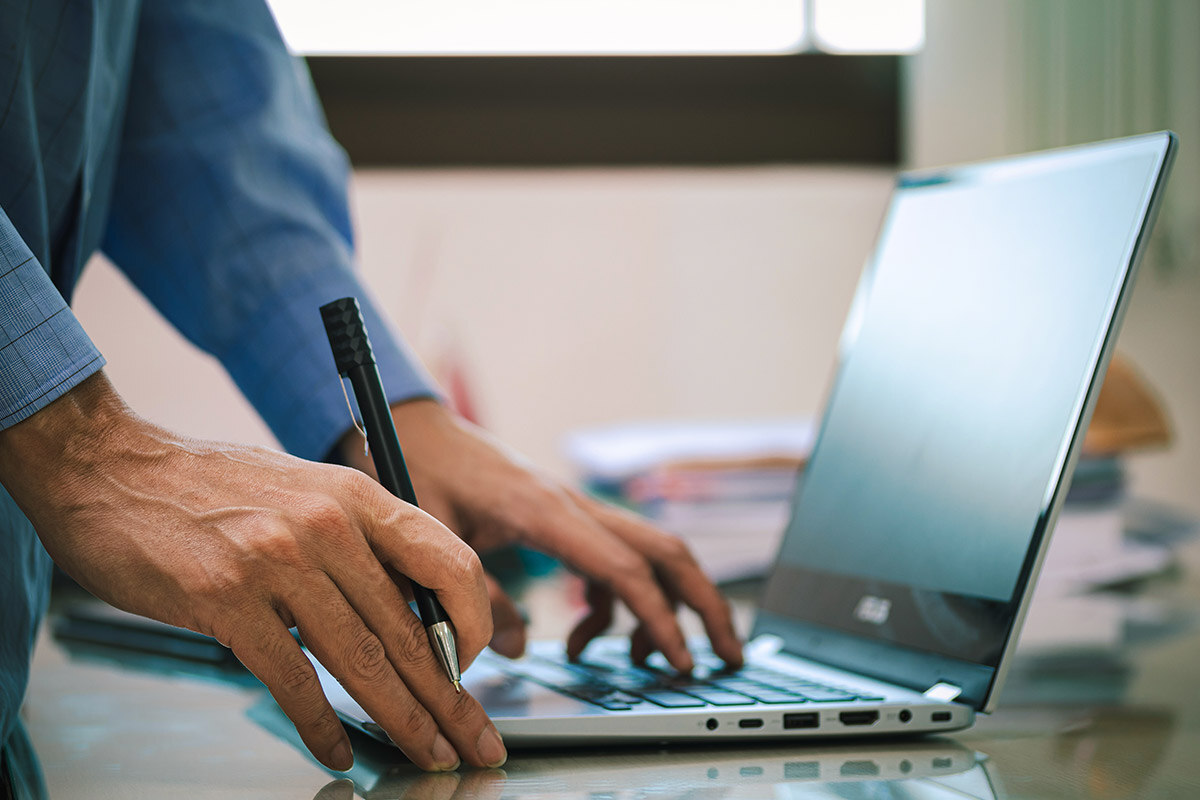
(858, 717)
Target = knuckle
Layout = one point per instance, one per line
(297, 678)
(368, 660)
(327, 515)
(324, 726)
(280, 546)
(416, 721)
(463, 711)
(362, 490)
(269, 541)
(673, 549)
(462, 564)
(629, 569)
(530, 499)
(413, 642)
(221, 597)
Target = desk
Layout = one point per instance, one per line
(107, 730)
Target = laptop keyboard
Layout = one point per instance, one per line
(610, 681)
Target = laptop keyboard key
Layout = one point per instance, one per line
(777, 698)
(719, 697)
(827, 695)
(673, 699)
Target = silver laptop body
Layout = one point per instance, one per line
(969, 366)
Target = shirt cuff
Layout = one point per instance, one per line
(44, 351)
(285, 367)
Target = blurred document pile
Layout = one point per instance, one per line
(1095, 604)
(1102, 537)
(724, 487)
(1093, 544)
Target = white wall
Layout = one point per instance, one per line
(570, 297)
(998, 78)
(577, 297)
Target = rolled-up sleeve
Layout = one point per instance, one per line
(230, 213)
(44, 351)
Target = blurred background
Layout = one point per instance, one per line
(591, 213)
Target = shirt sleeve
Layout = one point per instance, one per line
(44, 351)
(230, 214)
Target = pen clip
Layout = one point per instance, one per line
(353, 419)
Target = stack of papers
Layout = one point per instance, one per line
(1091, 547)
(724, 487)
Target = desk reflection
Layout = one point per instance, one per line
(926, 769)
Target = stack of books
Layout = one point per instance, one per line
(724, 487)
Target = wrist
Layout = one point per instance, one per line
(414, 419)
(63, 441)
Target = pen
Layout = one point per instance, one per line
(355, 360)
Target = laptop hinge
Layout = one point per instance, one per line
(943, 692)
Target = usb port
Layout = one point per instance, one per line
(941, 716)
(858, 717)
(807, 719)
(750, 723)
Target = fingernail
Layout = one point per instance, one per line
(342, 757)
(445, 757)
(490, 748)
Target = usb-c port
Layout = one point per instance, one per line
(941, 716)
(750, 723)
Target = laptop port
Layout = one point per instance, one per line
(941, 716)
(858, 717)
(859, 769)
(807, 719)
(711, 724)
(750, 723)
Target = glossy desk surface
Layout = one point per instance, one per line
(1125, 723)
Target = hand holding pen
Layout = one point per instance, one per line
(354, 359)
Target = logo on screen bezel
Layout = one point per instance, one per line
(873, 610)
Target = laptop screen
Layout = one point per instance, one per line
(967, 364)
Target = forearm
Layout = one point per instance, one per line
(43, 455)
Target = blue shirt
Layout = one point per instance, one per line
(181, 139)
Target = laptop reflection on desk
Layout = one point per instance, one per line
(930, 770)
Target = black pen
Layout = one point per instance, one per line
(355, 360)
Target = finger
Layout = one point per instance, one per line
(267, 649)
(594, 623)
(564, 529)
(681, 576)
(416, 545)
(508, 624)
(640, 643)
(358, 659)
(393, 668)
(640, 646)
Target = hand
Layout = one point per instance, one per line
(241, 543)
(490, 497)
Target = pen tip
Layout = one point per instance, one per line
(458, 687)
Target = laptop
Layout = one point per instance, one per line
(969, 366)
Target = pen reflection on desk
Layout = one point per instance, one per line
(355, 360)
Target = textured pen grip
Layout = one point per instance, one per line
(347, 334)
